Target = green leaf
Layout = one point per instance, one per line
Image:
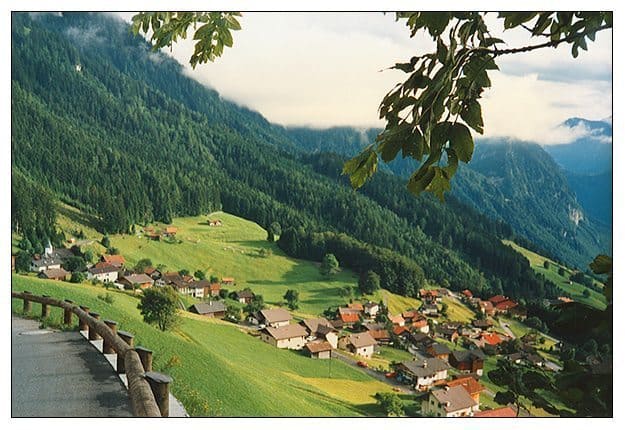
(461, 142)
(361, 167)
(472, 115)
(439, 184)
(420, 179)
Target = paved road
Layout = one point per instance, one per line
(59, 374)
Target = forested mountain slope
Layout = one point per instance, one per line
(120, 132)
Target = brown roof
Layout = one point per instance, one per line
(215, 286)
(348, 315)
(201, 283)
(467, 293)
(55, 273)
(504, 412)
(108, 268)
(227, 279)
(171, 230)
(275, 315)
(469, 383)
(245, 294)
(397, 319)
(356, 306)
(454, 398)
(313, 324)
(360, 340)
(497, 299)
(149, 270)
(114, 259)
(141, 278)
(286, 331)
(379, 334)
(317, 346)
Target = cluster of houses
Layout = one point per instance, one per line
(153, 234)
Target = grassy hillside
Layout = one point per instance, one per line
(219, 366)
(574, 289)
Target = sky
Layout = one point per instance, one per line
(328, 69)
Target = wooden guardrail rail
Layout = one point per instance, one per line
(148, 391)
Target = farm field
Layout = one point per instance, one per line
(574, 289)
(216, 366)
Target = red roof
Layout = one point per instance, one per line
(491, 338)
(505, 412)
(497, 299)
(215, 286)
(397, 319)
(348, 315)
(505, 305)
(114, 259)
(467, 293)
(420, 323)
(356, 306)
(409, 314)
(469, 383)
(424, 292)
(379, 334)
(399, 329)
(103, 265)
(227, 279)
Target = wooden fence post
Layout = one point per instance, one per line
(106, 348)
(130, 340)
(45, 308)
(27, 304)
(145, 355)
(93, 335)
(67, 314)
(82, 324)
(159, 383)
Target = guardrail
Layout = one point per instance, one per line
(148, 391)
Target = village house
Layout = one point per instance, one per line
(170, 278)
(429, 309)
(502, 303)
(421, 340)
(443, 292)
(276, 317)
(153, 272)
(530, 358)
(439, 350)
(471, 361)
(200, 288)
(214, 223)
(410, 315)
(378, 332)
(103, 272)
(227, 281)
(244, 296)
(421, 325)
(349, 316)
(319, 349)
(486, 307)
(482, 324)
(289, 336)
(446, 332)
(422, 374)
(321, 328)
(473, 387)
(470, 332)
(429, 296)
(467, 294)
(449, 402)
(54, 274)
(213, 289)
(490, 339)
(170, 231)
(209, 309)
(397, 320)
(115, 260)
(356, 307)
(361, 344)
(141, 280)
(371, 309)
(503, 412)
(42, 264)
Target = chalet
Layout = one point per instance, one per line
(200, 288)
(486, 307)
(289, 336)
(439, 350)
(227, 281)
(492, 339)
(244, 296)
(274, 317)
(153, 272)
(503, 412)
(214, 223)
(467, 293)
(470, 332)
(371, 309)
(170, 278)
(55, 274)
(429, 296)
(349, 316)
(104, 273)
(421, 325)
(449, 402)
(378, 332)
(359, 343)
(356, 307)
(401, 331)
(410, 315)
(429, 309)
(42, 264)
(312, 325)
(421, 340)
(397, 320)
(482, 324)
(329, 333)
(209, 309)
(531, 358)
(170, 231)
(473, 387)
(116, 260)
(141, 280)
(319, 349)
(471, 361)
(502, 303)
(422, 373)
(153, 236)
(449, 333)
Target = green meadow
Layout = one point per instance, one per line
(219, 369)
(573, 289)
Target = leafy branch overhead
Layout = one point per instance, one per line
(211, 30)
(429, 116)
